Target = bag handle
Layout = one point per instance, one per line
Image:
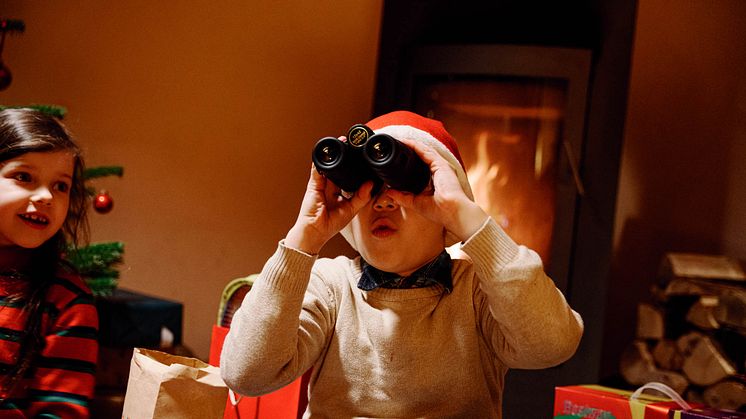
(232, 397)
(668, 391)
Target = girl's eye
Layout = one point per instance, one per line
(22, 177)
(62, 187)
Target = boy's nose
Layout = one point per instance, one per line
(383, 202)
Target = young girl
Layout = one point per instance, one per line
(48, 320)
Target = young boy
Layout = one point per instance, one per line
(403, 330)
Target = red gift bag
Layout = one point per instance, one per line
(598, 402)
(288, 402)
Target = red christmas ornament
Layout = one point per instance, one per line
(103, 202)
(5, 76)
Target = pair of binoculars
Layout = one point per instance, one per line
(369, 156)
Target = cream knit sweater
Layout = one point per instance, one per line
(400, 352)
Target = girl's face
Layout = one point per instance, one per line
(34, 197)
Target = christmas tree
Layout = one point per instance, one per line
(98, 262)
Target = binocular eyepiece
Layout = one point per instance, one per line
(369, 156)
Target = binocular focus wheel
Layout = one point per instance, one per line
(358, 135)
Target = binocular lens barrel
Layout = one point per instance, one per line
(328, 151)
(380, 151)
(368, 156)
(339, 163)
(396, 164)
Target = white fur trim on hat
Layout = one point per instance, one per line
(412, 133)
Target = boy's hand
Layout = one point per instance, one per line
(323, 213)
(445, 201)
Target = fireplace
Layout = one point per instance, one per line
(509, 133)
(518, 115)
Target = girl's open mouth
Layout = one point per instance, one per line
(36, 220)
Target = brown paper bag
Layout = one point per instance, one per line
(161, 385)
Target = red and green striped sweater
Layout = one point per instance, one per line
(61, 381)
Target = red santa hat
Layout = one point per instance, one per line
(404, 124)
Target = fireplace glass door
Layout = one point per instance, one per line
(509, 131)
(517, 113)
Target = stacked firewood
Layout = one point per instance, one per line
(692, 336)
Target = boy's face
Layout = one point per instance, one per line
(34, 197)
(395, 239)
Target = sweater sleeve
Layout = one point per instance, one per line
(281, 327)
(523, 316)
(63, 381)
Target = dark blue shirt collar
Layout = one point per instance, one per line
(435, 272)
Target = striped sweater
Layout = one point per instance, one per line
(60, 382)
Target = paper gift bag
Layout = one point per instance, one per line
(161, 385)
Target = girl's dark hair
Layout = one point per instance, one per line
(24, 131)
